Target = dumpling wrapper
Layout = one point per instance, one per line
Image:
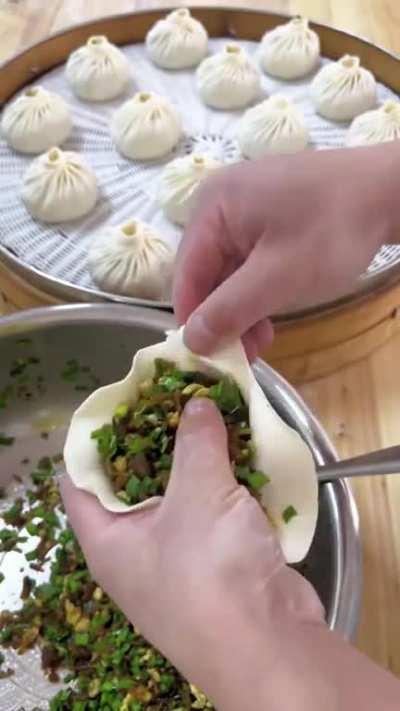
(280, 452)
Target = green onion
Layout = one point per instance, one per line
(164, 462)
(226, 395)
(13, 515)
(136, 444)
(133, 487)
(5, 440)
(81, 639)
(33, 529)
(257, 480)
(173, 381)
(121, 411)
(289, 513)
(106, 441)
(48, 591)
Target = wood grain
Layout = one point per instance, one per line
(358, 405)
(24, 22)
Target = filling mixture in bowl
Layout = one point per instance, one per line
(137, 447)
(84, 639)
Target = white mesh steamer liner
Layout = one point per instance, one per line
(129, 188)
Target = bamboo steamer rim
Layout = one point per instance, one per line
(247, 24)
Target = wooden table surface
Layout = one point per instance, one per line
(359, 405)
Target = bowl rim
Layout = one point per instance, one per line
(346, 596)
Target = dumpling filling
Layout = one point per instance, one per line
(137, 446)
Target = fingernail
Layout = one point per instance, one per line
(198, 407)
(197, 335)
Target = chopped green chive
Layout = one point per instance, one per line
(136, 444)
(172, 382)
(106, 441)
(20, 365)
(257, 480)
(80, 375)
(5, 440)
(226, 395)
(121, 411)
(133, 487)
(289, 513)
(5, 396)
(81, 639)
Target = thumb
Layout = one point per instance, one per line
(85, 514)
(201, 461)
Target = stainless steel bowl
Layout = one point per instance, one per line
(104, 337)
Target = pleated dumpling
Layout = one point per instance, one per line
(98, 71)
(279, 451)
(179, 184)
(59, 186)
(146, 127)
(342, 90)
(290, 51)
(37, 120)
(377, 126)
(178, 41)
(132, 260)
(274, 126)
(228, 79)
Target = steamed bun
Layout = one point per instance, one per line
(98, 71)
(179, 41)
(376, 126)
(229, 79)
(59, 186)
(179, 184)
(146, 127)
(290, 51)
(37, 120)
(274, 126)
(132, 260)
(341, 90)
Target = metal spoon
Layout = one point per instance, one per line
(383, 461)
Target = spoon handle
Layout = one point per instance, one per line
(383, 461)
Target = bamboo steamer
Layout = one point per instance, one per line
(302, 351)
(321, 344)
(16, 293)
(308, 345)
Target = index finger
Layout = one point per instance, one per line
(200, 262)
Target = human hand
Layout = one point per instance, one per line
(201, 574)
(278, 234)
